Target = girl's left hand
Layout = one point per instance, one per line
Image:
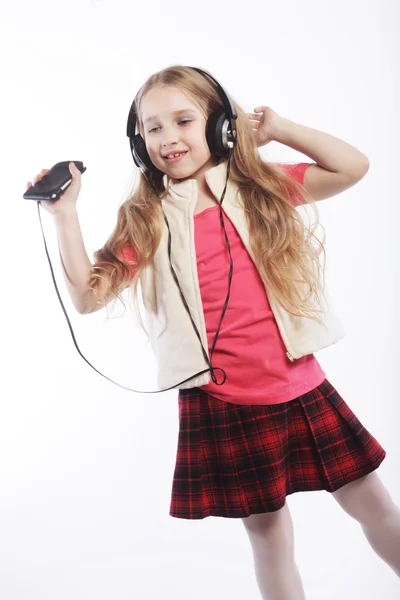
(264, 122)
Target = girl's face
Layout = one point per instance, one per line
(174, 124)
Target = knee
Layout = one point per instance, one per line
(366, 499)
(271, 533)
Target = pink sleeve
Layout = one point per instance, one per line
(128, 253)
(297, 171)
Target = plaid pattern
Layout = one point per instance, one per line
(234, 460)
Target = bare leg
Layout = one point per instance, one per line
(272, 539)
(368, 501)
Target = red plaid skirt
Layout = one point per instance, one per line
(235, 460)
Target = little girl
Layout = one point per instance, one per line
(274, 425)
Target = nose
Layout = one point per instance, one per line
(170, 137)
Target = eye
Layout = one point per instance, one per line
(183, 121)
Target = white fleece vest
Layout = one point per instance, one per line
(172, 336)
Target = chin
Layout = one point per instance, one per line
(182, 171)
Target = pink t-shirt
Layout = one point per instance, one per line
(249, 347)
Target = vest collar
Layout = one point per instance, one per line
(188, 189)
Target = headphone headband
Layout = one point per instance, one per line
(230, 107)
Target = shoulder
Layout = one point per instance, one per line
(295, 170)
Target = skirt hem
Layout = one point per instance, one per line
(244, 514)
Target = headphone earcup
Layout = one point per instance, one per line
(214, 133)
(140, 154)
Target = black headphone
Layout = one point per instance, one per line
(220, 130)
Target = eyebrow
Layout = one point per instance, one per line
(176, 112)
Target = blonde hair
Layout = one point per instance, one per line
(285, 256)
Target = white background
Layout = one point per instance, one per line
(86, 467)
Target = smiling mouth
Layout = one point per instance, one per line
(176, 155)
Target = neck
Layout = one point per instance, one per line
(199, 175)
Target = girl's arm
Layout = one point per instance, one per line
(339, 165)
(74, 259)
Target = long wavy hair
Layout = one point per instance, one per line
(286, 251)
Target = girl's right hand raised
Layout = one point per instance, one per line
(68, 199)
